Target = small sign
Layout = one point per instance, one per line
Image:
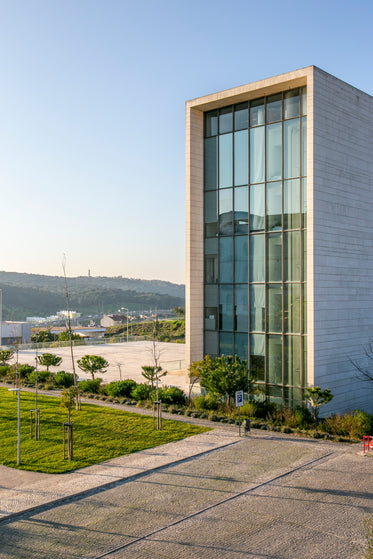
(367, 443)
(239, 398)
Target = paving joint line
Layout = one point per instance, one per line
(210, 507)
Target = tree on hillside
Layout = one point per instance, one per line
(49, 360)
(93, 364)
(179, 311)
(6, 355)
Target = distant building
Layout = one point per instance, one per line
(15, 332)
(113, 320)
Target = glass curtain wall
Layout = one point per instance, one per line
(255, 219)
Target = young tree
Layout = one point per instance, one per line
(68, 397)
(5, 356)
(93, 364)
(225, 375)
(150, 374)
(49, 360)
(317, 398)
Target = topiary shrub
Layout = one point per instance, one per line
(89, 385)
(25, 370)
(172, 396)
(121, 388)
(141, 392)
(63, 379)
(43, 376)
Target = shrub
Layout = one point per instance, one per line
(265, 409)
(362, 424)
(4, 370)
(89, 385)
(122, 388)
(171, 396)
(63, 379)
(25, 370)
(248, 409)
(43, 376)
(354, 425)
(303, 417)
(141, 392)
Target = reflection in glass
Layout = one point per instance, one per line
(274, 206)
(226, 211)
(226, 260)
(291, 103)
(241, 157)
(274, 257)
(304, 313)
(257, 146)
(304, 249)
(211, 260)
(274, 359)
(241, 210)
(225, 120)
(241, 302)
(226, 307)
(291, 149)
(211, 123)
(211, 213)
(304, 146)
(292, 360)
(292, 256)
(225, 160)
(241, 345)
(226, 343)
(257, 307)
(257, 258)
(241, 257)
(211, 344)
(274, 108)
(211, 318)
(274, 152)
(304, 100)
(274, 308)
(211, 163)
(257, 352)
(211, 295)
(292, 308)
(257, 112)
(292, 204)
(257, 207)
(241, 116)
(304, 203)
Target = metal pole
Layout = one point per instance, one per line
(19, 429)
(239, 421)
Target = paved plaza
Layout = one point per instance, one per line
(125, 360)
(214, 495)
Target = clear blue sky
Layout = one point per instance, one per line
(92, 115)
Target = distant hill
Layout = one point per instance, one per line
(38, 295)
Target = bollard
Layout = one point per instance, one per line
(247, 426)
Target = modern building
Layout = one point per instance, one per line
(280, 232)
(15, 333)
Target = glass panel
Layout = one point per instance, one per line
(274, 108)
(257, 352)
(304, 100)
(304, 249)
(257, 258)
(211, 344)
(226, 211)
(274, 308)
(291, 149)
(292, 256)
(211, 318)
(275, 394)
(226, 307)
(292, 360)
(304, 364)
(241, 345)
(241, 157)
(211, 123)
(274, 359)
(257, 207)
(304, 203)
(304, 315)
(225, 120)
(292, 204)
(257, 154)
(292, 308)
(241, 209)
(211, 295)
(241, 116)
(257, 112)
(274, 152)
(226, 344)
(241, 308)
(274, 206)
(274, 257)
(211, 214)
(211, 163)
(226, 259)
(211, 260)
(293, 397)
(304, 146)
(291, 103)
(257, 308)
(225, 160)
(241, 259)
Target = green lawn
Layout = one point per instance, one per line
(99, 433)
